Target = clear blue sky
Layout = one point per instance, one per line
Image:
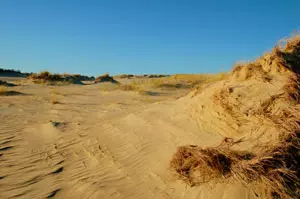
(140, 36)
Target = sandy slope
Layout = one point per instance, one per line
(104, 145)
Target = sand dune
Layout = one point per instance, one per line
(93, 143)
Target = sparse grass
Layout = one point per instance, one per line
(128, 87)
(188, 81)
(54, 97)
(174, 82)
(136, 85)
(124, 76)
(139, 88)
(201, 78)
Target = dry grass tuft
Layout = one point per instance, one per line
(276, 167)
(196, 165)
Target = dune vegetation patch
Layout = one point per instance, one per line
(105, 78)
(272, 168)
(283, 58)
(276, 167)
(45, 77)
(173, 82)
(123, 76)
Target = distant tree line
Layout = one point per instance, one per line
(18, 73)
(12, 72)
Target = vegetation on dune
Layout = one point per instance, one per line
(47, 77)
(130, 76)
(273, 169)
(284, 58)
(180, 81)
(80, 77)
(105, 78)
(276, 167)
(124, 76)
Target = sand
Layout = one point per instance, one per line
(94, 143)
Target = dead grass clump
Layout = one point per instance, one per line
(276, 167)
(105, 78)
(195, 165)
